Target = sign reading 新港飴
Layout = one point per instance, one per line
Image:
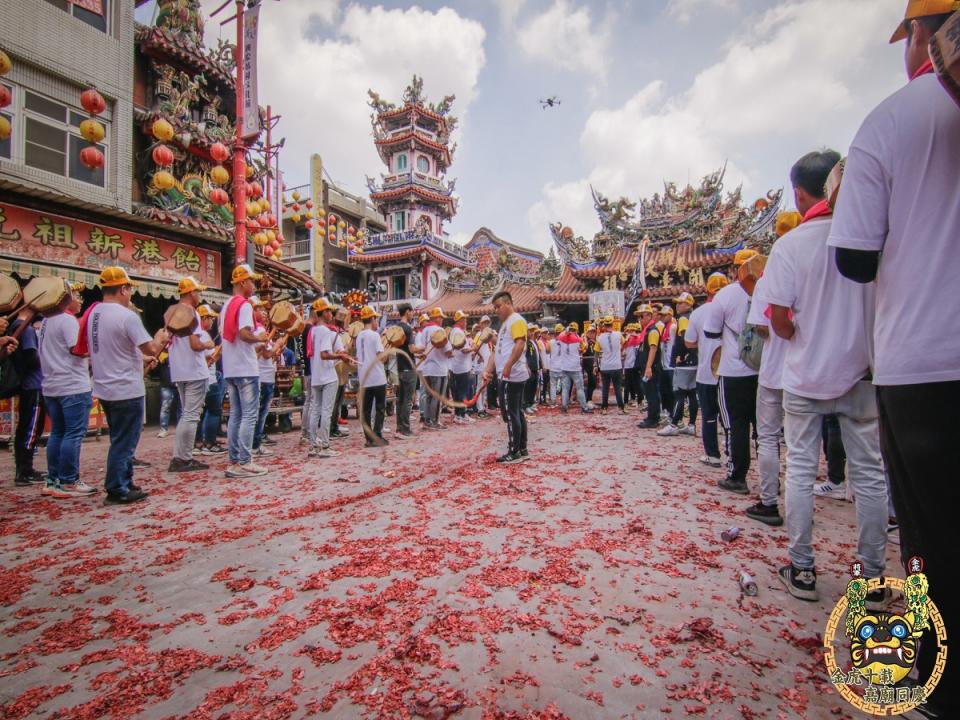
(34, 236)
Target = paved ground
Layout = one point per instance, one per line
(590, 582)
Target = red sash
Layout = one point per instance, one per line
(924, 69)
(231, 317)
(821, 209)
(82, 348)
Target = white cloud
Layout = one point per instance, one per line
(509, 9)
(317, 61)
(784, 88)
(684, 10)
(568, 38)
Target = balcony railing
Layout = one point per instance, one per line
(406, 237)
(415, 177)
(295, 250)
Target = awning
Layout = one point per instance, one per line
(26, 269)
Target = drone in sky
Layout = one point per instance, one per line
(551, 101)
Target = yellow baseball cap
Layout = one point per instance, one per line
(787, 221)
(321, 304)
(459, 315)
(367, 312)
(685, 297)
(424, 317)
(244, 272)
(558, 328)
(608, 320)
(188, 285)
(716, 282)
(436, 313)
(666, 309)
(206, 311)
(644, 310)
(923, 8)
(574, 326)
(115, 276)
(743, 255)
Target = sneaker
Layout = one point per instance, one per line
(55, 490)
(802, 584)
(768, 514)
(212, 449)
(405, 434)
(328, 453)
(262, 451)
(892, 525)
(624, 411)
(131, 496)
(646, 425)
(711, 461)
(669, 431)
(689, 430)
(267, 440)
(733, 486)
(664, 421)
(245, 471)
(879, 600)
(483, 415)
(586, 411)
(140, 463)
(509, 458)
(313, 452)
(469, 420)
(524, 453)
(831, 490)
(162, 434)
(191, 465)
(343, 421)
(79, 488)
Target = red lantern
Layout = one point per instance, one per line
(268, 250)
(218, 196)
(91, 157)
(295, 207)
(308, 224)
(92, 101)
(265, 221)
(322, 222)
(162, 155)
(254, 189)
(352, 230)
(333, 218)
(273, 220)
(252, 225)
(309, 204)
(6, 97)
(219, 152)
(275, 244)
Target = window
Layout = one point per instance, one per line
(399, 287)
(399, 221)
(92, 12)
(52, 141)
(423, 165)
(401, 163)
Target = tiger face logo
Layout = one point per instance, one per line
(883, 640)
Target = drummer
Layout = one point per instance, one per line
(213, 402)
(325, 349)
(434, 368)
(267, 373)
(118, 343)
(460, 369)
(373, 377)
(189, 374)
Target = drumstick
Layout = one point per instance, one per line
(425, 356)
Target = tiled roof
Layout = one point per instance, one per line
(399, 112)
(473, 303)
(390, 256)
(160, 42)
(568, 289)
(672, 291)
(625, 259)
(218, 231)
(286, 276)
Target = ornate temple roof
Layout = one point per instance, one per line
(392, 255)
(526, 299)
(624, 260)
(179, 48)
(447, 202)
(386, 143)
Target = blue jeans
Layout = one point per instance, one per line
(244, 403)
(125, 418)
(572, 379)
(169, 406)
(266, 395)
(68, 425)
(212, 412)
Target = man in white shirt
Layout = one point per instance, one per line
(324, 350)
(267, 377)
(373, 376)
(117, 344)
(189, 374)
(213, 402)
(241, 372)
(898, 220)
(434, 368)
(667, 337)
(611, 364)
(553, 350)
(707, 395)
(649, 366)
(827, 320)
(508, 363)
(459, 364)
(571, 368)
(725, 321)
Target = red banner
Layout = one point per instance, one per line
(46, 238)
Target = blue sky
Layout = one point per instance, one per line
(650, 89)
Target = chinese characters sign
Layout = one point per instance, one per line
(47, 238)
(251, 111)
(608, 302)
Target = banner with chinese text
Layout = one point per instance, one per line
(47, 238)
(606, 302)
(251, 110)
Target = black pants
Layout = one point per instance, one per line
(679, 397)
(335, 413)
(833, 449)
(378, 394)
(710, 407)
(30, 418)
(738, 411)
(493, 395)
(511, 410)
(667, 399)
(460, 390)
(651, 391)
(405, 393)
(920, 441)
(591, 376)
(607, 377)
(543, 386)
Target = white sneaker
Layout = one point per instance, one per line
(262, 451)
(669, 431)
(689, 430)
(79, 488)
(711, 461)
(162, 434)
(831, 490)
(468, 420)
(328, 453)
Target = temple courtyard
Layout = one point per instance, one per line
(417, 580)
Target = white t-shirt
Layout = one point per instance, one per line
(666, 347)
(705, 345)
(115, 335)
(212, 367)
(63, 372)
(774, 346)
(630, 355)
(324, 372)
(239, 358)
(727, 315)
(462, 359)
(569, 356)
(369, 345)
(544, 350)
(512, 330)
(610, 344)
(436, 364)
(554, 352)
(266, 367)
(185, 364)
(830, 349)
(481, 358)
(899, 195)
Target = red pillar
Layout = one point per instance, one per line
(239, 153)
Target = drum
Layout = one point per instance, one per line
(46, 294)
(10, 295)
(180, 320)
(945, 53)
(354, 329)
(715, 361)
(283, 315)
(832, 187)
(298, 328)
(394, 336)
(458, 338)
(438, 338)
(485, 336)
